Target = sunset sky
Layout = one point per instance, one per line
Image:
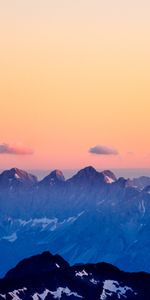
(74, 84)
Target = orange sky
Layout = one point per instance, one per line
(75, 74)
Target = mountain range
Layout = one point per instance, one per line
(47, 277)
(91, 217)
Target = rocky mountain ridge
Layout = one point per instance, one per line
(47, 277)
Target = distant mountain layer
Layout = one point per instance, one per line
(90, 217)
(16, 177)
(45, 277)
(140, 183)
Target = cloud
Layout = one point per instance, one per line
(15, 150)
(103, 150)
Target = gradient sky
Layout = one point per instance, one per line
(74, 75)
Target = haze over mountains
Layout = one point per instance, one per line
(91, 217)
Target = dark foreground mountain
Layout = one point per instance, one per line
(45, 277)
(90, 217)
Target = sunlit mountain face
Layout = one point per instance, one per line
(91, 217)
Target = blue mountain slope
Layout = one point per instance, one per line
(91, 217)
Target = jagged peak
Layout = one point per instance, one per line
(90, 172)
(18, 174)
(109, 176)
(87, 175)
(35, 264)
(56, 176)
